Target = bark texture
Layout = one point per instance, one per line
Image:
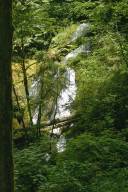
(25, 80)
(6, 160)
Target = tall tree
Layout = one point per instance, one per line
(6, 160)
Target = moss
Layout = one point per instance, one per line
(32, 67)
(61, 43)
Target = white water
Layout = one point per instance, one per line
(81, 31)
(68, 94)
(33, 92)
(61, 145)
(47, 157)
(57, 131)
(73, 54)
(35, 116)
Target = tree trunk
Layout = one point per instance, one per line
(19, 109)
(25, 80)
(6, 160)
(39, 120)
(40, 107)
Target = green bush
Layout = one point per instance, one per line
(31, 165)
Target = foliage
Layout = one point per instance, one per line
(96, 155)
(31, 165)
(89, 163)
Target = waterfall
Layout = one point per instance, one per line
(61, 144)
(80, 31)
(35, 116)
(68, 94)
(73, 54)
(34, 93)
(34, 89)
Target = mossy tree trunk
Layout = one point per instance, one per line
(19, 110)
(25, 79)
(6, 160)
(40, 107)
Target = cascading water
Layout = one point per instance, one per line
(34, 89)
(80, 31)
(73, 54)
(35, 116)
(61, 145)
(34, 93)
(68, 94)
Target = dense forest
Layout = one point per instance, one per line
(69, 103)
